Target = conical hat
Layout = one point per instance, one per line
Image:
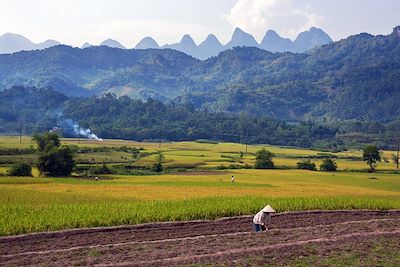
(268, 208)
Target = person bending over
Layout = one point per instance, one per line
(262, 219)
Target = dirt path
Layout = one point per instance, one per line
(226, 240)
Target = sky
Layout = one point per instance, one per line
(74, 22)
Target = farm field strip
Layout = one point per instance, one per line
(197, 237)
(210, 241)
(155, 231)
(200, 155)
(211, 257)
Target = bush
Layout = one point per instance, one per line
(158, 166)
(103, 169)
(54, 159)
(328, 165)
(264, 159)
(20, 169)
(205, 141)
(306, 165)
(58, 161)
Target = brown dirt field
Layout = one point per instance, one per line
(227, 241)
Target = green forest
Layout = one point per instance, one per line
(37, 110)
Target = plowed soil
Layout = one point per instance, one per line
(227, 241)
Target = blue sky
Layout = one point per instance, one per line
(77, 21)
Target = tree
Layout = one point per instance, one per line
(328, 165)
(46, 141)
(54, 159)
(20, 169)
(306, 165)
(371, 156)
(264, 159)
(158, 167)
(395, 159)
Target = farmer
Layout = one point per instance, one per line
(232, 179)
(262, 219)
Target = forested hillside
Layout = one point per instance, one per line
(39, 110)
(354, 79)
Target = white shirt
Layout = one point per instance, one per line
(262, 218)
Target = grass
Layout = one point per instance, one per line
(40, 204)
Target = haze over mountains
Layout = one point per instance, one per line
(211, 46)
(355, 78)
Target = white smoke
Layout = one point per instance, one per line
(72, 128)
(85, 132)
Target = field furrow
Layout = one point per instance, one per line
(196, 241)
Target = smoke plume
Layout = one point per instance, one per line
(71, 128)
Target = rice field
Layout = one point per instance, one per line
(41, 204)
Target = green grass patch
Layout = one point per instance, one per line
(25, 218)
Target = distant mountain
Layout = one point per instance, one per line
(147, 43)
(355, 78)
(99, 69)
(305, 41)
(310, 39)
(186, 45)
(11, 43)
(209, 47)
(86, 45)
(46, 44)
(271, 42)
(274, 43)
(241, 38)
(112, 43)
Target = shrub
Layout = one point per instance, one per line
(328, 165)
(158, 166)
(306, 165)
(103, 169)
(20, 169)
(205, 141)
(264, 159)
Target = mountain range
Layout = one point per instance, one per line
(211, 46)
(355, 78)
(271, 42)
(11, 43)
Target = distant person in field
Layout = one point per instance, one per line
(232, 179)
(262, 219)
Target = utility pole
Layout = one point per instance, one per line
(20, 131)
(247, 136)
(398, 151)
(159, 139)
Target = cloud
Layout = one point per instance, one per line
(312, 20)
(257, 16)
